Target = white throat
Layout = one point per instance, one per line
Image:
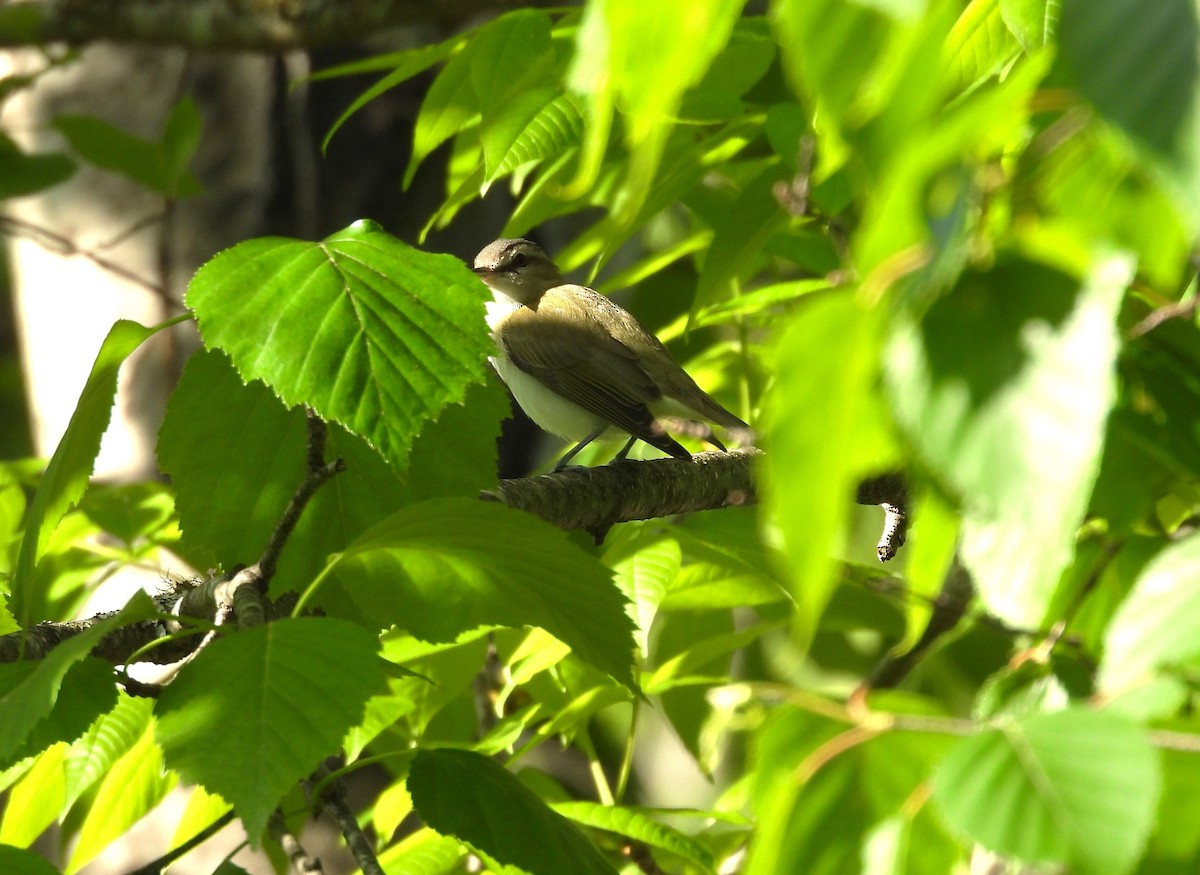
(551, 411)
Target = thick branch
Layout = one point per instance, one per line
(598, 498)
(264, 25)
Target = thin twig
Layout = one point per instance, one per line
(241, 594)
(56, 242)
(155, 867)
(889, 491)
(333, 801)
(1179, 310)
(318, 472)
(300, 859)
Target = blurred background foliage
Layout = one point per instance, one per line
(951, 238)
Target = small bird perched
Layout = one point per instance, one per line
(580, 365)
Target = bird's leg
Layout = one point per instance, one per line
(562, 463)
(624, 452)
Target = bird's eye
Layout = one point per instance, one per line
(518, 261)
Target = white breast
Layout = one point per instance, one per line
(551, 411)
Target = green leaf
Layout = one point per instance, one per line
(981, 43)
(501, 60)
(644, 565)
(29, 689)
(15, 861)
(740, 236)
(443, 567)
(424, 852)
(829, 49)
(543, 125)
(133, 785)
(181, 138)
(509, 56)
(825, 430)
(369, 332)
(1032, 22)
(156, 166)
(258, 710)
(22, 174)
(131, 512)
(70, 467)
(35, 801)
(1016, 431)
(87, 691)
(1157, 626)
(1138, 64)
(639, 826)
(110, 737)
(1074, 787)
(235, 455)
(642, 57)
(402, 66)
(477, 800)
(813, 825)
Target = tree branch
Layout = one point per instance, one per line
(242, 593)
(332, 798)
(264, 25)
(156, 867)
(889, 491)
(627, 490)
(640, 490)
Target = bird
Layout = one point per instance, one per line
(580, 365)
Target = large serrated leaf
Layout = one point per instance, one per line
(553, 131)
(644, 565)
(235, 456)
(980, 43)
(257, 711)
(446, 566)
(1076, 787)
(366, 330)
(474, 798)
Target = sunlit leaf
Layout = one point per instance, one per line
(826, 433)
(257, 711)
(132, 786)
(367, 331)
(477, 800)
(69, 469)
(1077, 787)
(1017, 433)
(444, 567)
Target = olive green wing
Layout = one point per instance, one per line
(568, 351)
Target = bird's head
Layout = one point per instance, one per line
(517, 268)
